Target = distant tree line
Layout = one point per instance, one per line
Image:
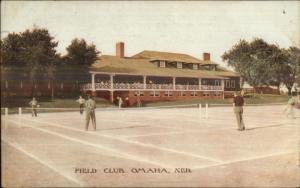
(263, 64)
(34, 52)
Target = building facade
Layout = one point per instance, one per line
(146, 76)
(154, 76)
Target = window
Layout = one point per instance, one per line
(205, 94)
(6, 84)
(61, 86)
(232, 84)
(194, 93)
(195, 66)
(21, 85)
(204, 82)
(227, 83)
(162, 64)
(154, 93)
(168, 93)
(217, 82)
(179, 65)
(217, 94)
(139, 93)
(182, 93)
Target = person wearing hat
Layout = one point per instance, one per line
(34, 104)
(90, 106)
(238, 103)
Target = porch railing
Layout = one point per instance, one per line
(208, 87)
(101, 86)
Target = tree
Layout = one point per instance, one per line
(31, 50)
(260, 63)
(80, 56)
(249, 60)
(292, 68)
(80, 53)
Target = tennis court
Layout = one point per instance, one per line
(152, 147)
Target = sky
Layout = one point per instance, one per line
(190, 27)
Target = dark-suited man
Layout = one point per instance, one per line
(238, 103)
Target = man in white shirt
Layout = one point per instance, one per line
(81, 102)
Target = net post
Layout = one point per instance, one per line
(206, 111)
(200, 109)
(6, 111)
(20, 111)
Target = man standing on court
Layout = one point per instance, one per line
(90, 106)
(238, 103)
(289, 109)
(120, 101)
(34, 105)
(81, 102)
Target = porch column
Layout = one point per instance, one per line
(200, 83)
(112, 96)
(223, 86)
(111, 81)
(111, 88)
(174, 83)
(144, 81)
(93, 82)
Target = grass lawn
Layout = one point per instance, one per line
(14, 103)
(249, 99)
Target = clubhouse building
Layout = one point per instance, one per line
(154, 76)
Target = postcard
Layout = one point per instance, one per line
(150, 93)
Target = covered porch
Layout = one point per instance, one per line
(122, 82)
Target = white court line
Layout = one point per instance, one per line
(130, 141)
(205, 130)
(136, 123)
(67, 176)
(155, 134)
(124, 155)
(201, 122)
(243, 160)
(187, 130)
(196, 128)
(190, 129)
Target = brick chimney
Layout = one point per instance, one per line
(206, 56)
(120, 49)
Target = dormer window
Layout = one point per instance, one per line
(213, 68)
(195, 66)
(162, 64)
(179, 65)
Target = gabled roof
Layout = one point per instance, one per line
(167, 56)
(143, 66)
